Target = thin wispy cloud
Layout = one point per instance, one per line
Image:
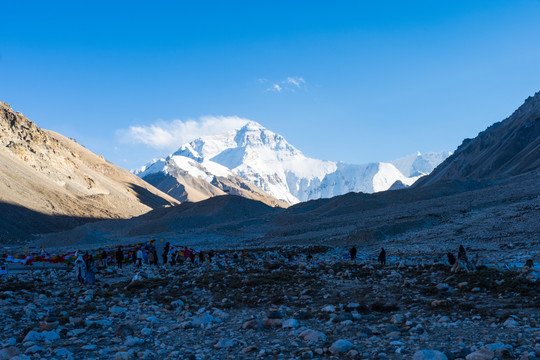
(276, 87)
(290, 84)
(169, 136)
(296, 81)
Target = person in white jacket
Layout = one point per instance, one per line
(80, 269)
(139, 257)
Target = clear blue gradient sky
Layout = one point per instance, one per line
(369, 80)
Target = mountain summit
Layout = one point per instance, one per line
(266, 160)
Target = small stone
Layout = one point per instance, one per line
(32, 336)
(268, 323)
(275, 315)
(443, 287)
(177, 304)
(482, 354)
(511, 323)
(63, 353)
(290, 324)
(50, 336)
(122, 355)
(147, 354)
(33, 349)
(397, 319)
(202, 320)
(248, 349)
(500, 350)
(133, 341)
(437, 303)
(224, 343)
(8, 353)
(20, 357)
(340, 347)
(312, 336)
(115, 309)
(222, 315)
(429, 355)
(329, 308)
(123, 331)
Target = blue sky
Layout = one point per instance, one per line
(359, 81)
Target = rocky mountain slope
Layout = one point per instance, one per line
(506, 148)
(60, 183)
(267, 161)
(188, 180)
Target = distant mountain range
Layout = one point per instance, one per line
(487, 189)
(252, 158)
(486, 192)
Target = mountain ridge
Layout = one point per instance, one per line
(47, 173)
(266, 160)
(506, 148)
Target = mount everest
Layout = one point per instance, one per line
(252, 158)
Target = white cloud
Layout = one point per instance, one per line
(291, 83)
(171, 135)
(275, 87)
(296, 81)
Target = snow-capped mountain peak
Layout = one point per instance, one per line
(267, 160)
(420, 164)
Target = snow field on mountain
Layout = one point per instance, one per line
(268, 161)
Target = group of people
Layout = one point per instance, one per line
(85, 269)
(381, 258)
(85, 266)
(462, 261)
(171, 255)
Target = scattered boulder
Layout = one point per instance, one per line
(340, 347)
(429, 355)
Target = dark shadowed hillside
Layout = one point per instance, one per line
(507, 148)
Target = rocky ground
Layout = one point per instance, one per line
(274, 306)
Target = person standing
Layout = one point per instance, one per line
(80, 270)
(119, 257)
(353, 252)
(139, 257)
(104, 258)
(382, 257)
(155, 255)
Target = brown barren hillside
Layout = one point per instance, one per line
(53, 178)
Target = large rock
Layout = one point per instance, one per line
(482, 354)
(341, 347)
(312, 336)
(500, 350)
